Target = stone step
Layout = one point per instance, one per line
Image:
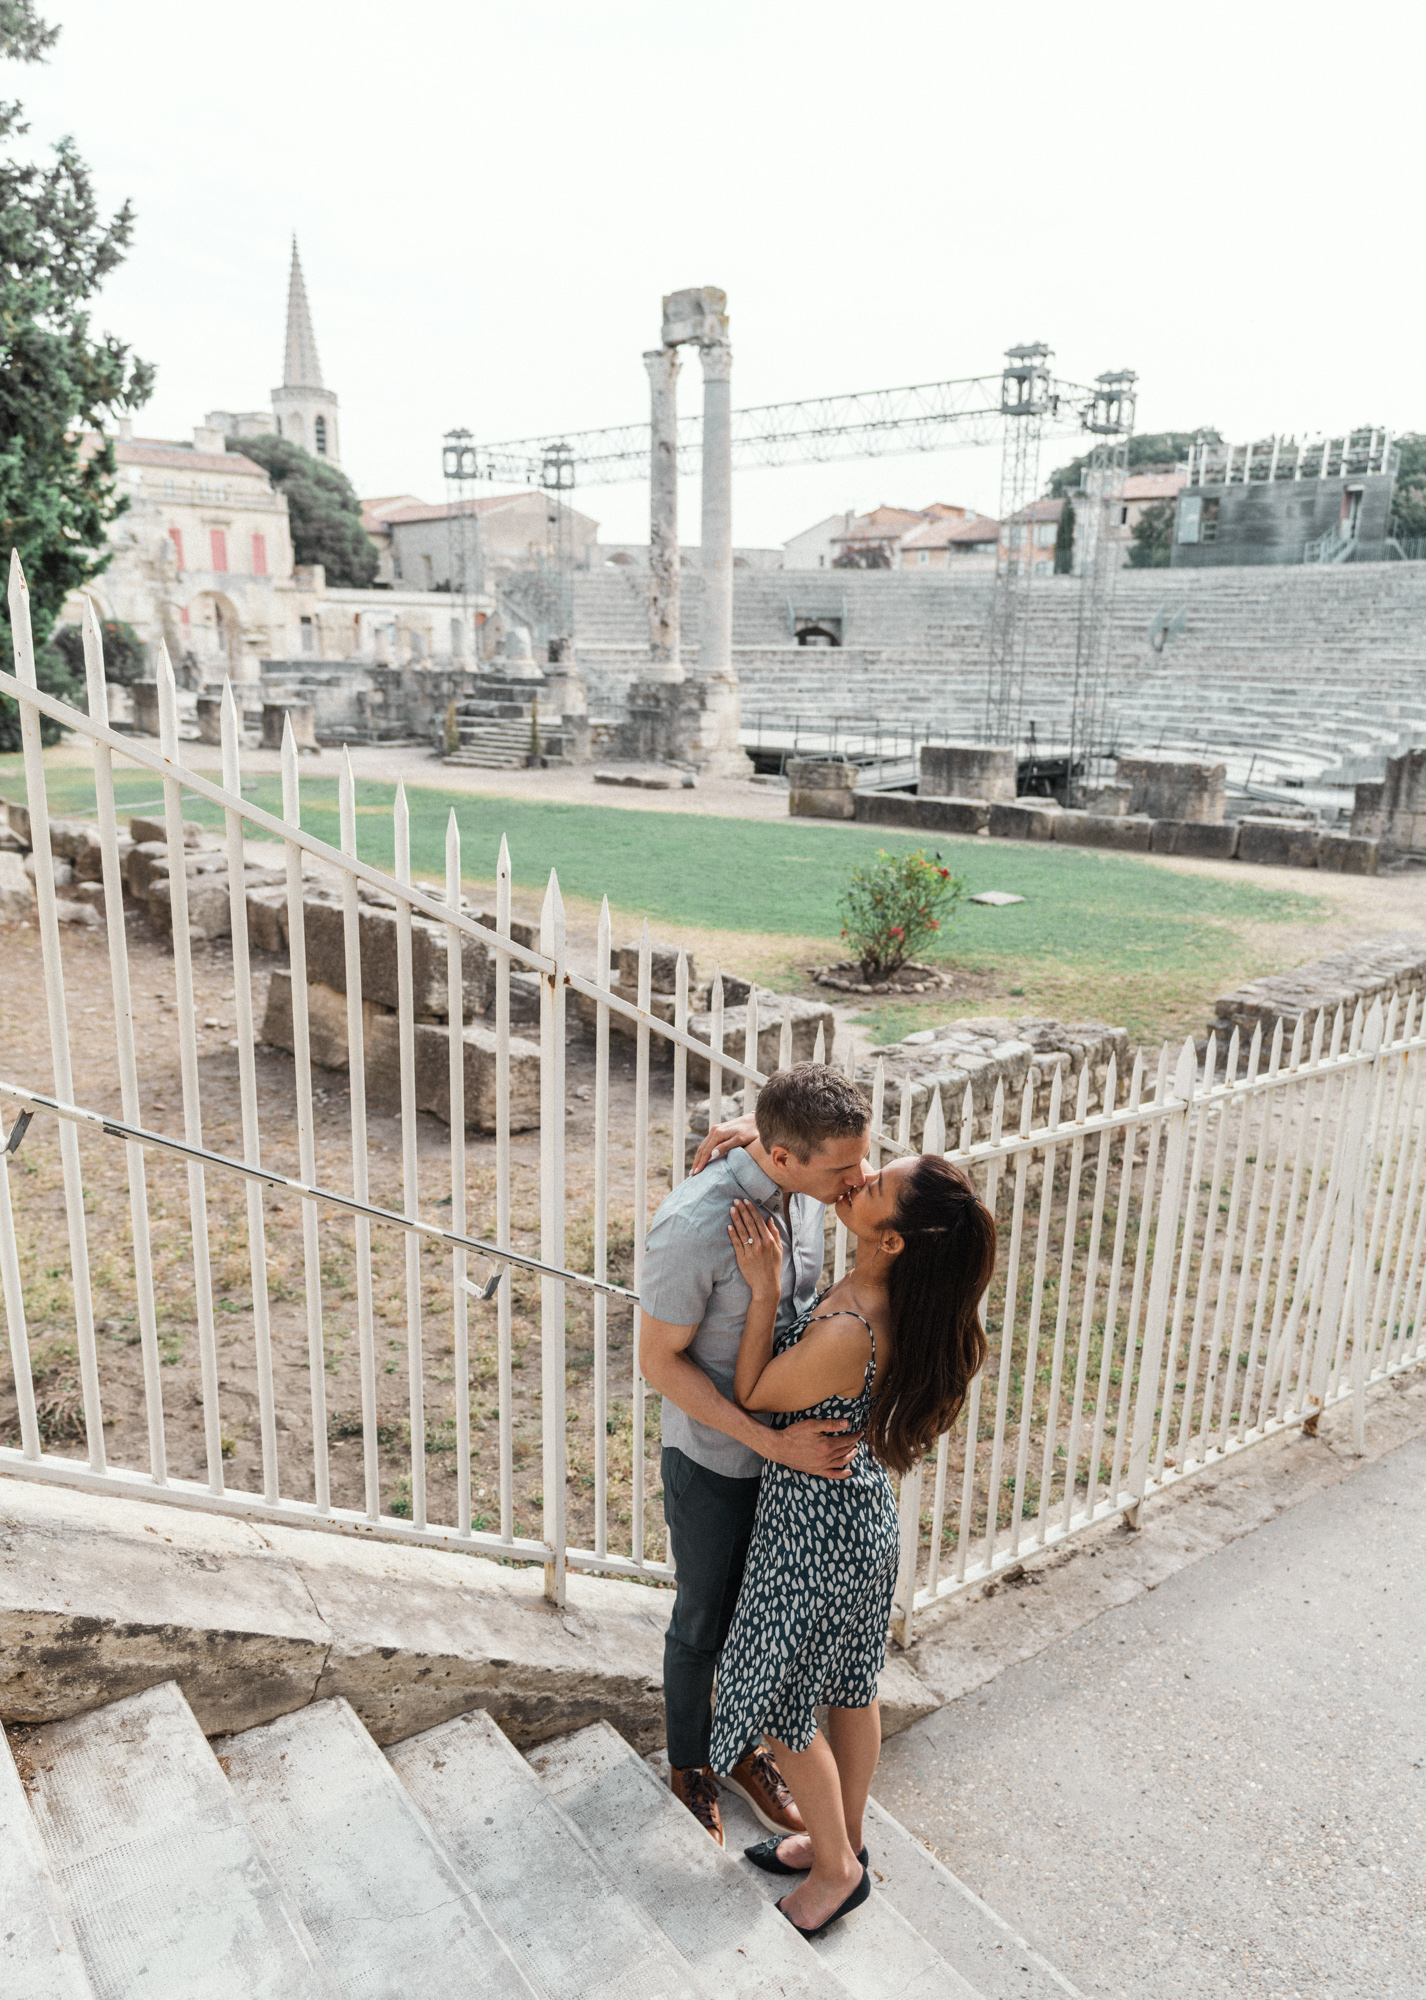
(39, 1954)
(168, 1889)
(875, 1953)
(693, 1890)
(993, 1957)
(565, 1917)
(385, 1906)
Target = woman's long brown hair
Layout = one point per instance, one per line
(934, 1288)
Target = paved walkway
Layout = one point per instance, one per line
(1220, 1787)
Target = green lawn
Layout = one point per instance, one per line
(1084, 911)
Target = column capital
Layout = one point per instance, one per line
(664, 361)
(717, 359)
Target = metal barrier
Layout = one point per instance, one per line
(1185, 1270)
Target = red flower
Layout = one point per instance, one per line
(943, 873)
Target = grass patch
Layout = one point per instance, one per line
(1098, 933)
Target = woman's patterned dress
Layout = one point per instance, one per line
(815, 1602)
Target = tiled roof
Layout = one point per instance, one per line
(159, 451)
(1040, 510)
(944, 533)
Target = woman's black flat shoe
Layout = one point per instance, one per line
(853, 1902)
(765, 1856)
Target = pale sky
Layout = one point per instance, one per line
(491, 199)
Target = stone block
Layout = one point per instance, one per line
(17, 817)
(210, 718)
(142, 830)
(1207, 840)
(885, 808)
(326, 1022)
(61, 873)
(1130, 835)
(89, 856)
(324, 927)
(1279, 843)
(663, 968)
(68, 837)
(432, 1053)
(1404, 802)
(927, 813)
(17, 891)
(819, 790)
(807, 1017)
(1348, 854)
(1174, 787)
(968, 771)
(145, 698)
(210, 913)
(1023, 819)
(304, 724)
(267, 919)
(1368, 810)
(1110, 799)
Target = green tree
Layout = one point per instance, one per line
(1408, 510)
(59, 382)
(1152, 536)
(1064, 540)
(322, 506)
(1152, 448)
(126, 657)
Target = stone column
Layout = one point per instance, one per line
(665, 663)
(715, 652)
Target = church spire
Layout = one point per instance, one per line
(302, 369)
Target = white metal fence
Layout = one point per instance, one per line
(1209, 1254)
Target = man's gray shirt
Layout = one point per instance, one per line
(691, 1278)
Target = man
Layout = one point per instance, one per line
(808, 1149)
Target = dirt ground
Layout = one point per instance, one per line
(42, 1233)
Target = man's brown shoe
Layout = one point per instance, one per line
(758, 1781)
(695, 1788)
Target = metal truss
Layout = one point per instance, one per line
(868, 423)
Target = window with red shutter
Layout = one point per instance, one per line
(175, 535)
(220, 549)
(259, 555)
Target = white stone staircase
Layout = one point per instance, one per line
(139, 1862)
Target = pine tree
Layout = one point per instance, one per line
(59, 382)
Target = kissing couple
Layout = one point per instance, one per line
(784, 1411)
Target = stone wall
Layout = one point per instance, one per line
(1393, 810)
(1395, 962)
(985, 1053)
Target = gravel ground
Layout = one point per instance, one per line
(1219, 1788)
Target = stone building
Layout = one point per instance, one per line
(429, 547)
(966, 544)
(203, 557)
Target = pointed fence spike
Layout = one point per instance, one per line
(346, 800)
(97, 693)
(819, 1047)
(230, 732)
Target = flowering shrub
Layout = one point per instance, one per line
(895, 905)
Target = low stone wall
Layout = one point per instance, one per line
(968, 771)
(985, 1053)
(1269, 842)
(1395, 962)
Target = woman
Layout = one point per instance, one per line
(892, 1348)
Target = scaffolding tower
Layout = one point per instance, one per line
(1028, 396)
(464, 566)
(1110, 417)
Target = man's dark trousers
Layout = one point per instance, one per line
(710, 1522)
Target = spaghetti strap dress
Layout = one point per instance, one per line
(812, 1616)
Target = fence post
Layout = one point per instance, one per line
(552, 1473)
(1339, 1221)
(1161, 1278)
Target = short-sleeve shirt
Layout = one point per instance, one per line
(691, 1278)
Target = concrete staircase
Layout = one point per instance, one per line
(1315, 672)
(139, 1862)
